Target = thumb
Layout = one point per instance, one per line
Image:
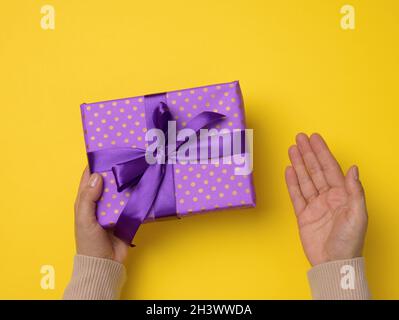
(89, 192)
(354, 186)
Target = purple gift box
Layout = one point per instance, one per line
(193, 187)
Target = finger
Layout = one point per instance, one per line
(354, 187)
(297, 199)
(331, 169)
(90, 191)
(305, 183)
(312, 164)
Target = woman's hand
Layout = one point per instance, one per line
(91, 238)
(330, 207)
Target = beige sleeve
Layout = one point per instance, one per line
(339, 280)
(95, 279)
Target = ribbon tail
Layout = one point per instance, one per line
(165, 203)
(139, 204)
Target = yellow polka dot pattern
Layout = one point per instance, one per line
(211, 186)
(111, 124)
(198, 188)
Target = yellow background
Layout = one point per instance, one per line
(299, 71)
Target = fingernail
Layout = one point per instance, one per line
(93, 180)
(356, 173)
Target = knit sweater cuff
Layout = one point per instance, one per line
(95, 279)
(339, 280)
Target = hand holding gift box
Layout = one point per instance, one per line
(142, 182)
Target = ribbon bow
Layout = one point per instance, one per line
(153, 182)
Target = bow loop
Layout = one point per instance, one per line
(161, 116)
(128, 174)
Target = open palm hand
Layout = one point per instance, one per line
(330, 207)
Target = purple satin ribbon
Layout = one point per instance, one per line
(154, 184)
